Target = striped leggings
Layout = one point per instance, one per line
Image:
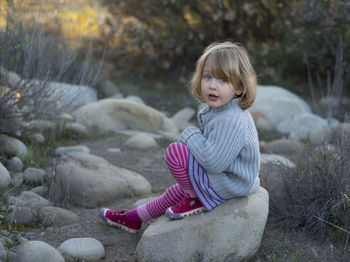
(176, 158)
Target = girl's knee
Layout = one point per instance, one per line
(174, 149)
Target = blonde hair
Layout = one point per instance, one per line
(228, 61)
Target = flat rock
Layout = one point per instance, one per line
(66, 149)
(89, 181)
(28, 199)
(82, 249)
(20, 215)
(230, 232)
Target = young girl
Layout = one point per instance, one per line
(219, 160)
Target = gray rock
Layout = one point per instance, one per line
(4, 177)
(120, 114)
(141, 141)
(37, 251)
(36, 138)
(3, 252)
(76, 129)
(108, 88)
(40, 190)
(28, 199)
(230, 232)
(302, 124)
(342, 131)
(89, 181)
(17, 179)
(320, 135)
(55, 216)
(276, 160)
(182, 118)
(34, 176)
(20, 215)
(60, 151)
(12, 147)
(82, 249)
(14, 164)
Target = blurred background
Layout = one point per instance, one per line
(149, 48)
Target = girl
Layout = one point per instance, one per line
(219, 160)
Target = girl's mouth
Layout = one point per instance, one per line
(212, 97)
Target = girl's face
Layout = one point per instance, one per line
(216, 92)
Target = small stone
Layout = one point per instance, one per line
(87, 249)
(65, 150)
(17, 179)
(141, 141)
(36, 138)
(20, 215)
(34, 176)
(14, 164)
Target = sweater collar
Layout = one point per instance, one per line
(231, 104)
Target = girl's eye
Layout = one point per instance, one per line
(207, 77)
(223, 81)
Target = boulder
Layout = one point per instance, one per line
(3, 252)
(230, 232)
(82, 249)
(89, 181)
(302, 124)
(10, 146)
(278, 104)
(37, 251)
(112, 115)
(55, 216)
(4, 177)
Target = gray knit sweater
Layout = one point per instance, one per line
(227, 147)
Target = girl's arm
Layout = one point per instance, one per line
(217, 151)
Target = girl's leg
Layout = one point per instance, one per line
(131, 220)
(176, 158)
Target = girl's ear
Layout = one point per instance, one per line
(238, 92)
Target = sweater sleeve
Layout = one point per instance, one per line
(217, 151)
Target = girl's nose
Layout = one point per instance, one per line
(214, 84)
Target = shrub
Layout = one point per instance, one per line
(317, 192)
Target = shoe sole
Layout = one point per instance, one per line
(114, 224)
(176, 216)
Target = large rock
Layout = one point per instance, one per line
(182, 118)
(11, 146)
(112, 115)
(4, 177)
(89, 181)
(278, 104)
(28, 199)
(230, 232)
(37, 251)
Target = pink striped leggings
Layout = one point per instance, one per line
(176, 158)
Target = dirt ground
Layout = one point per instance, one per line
(120, 246)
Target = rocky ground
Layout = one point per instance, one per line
(277, 244)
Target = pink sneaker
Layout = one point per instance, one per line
(119, 218)
(187, 206)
